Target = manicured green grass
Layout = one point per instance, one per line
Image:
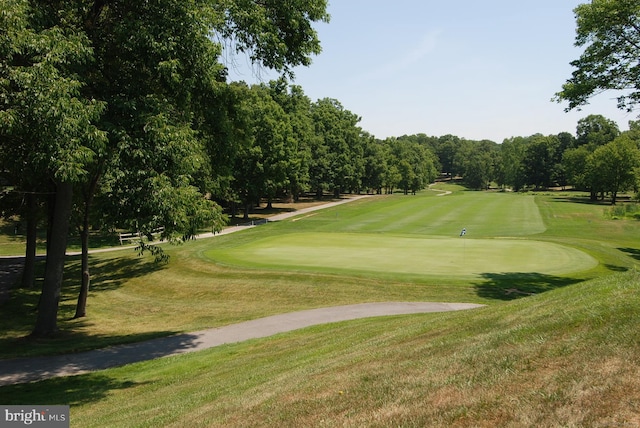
(426, 214)
(132, 298)
(391, 255)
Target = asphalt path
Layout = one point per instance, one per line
(11, 266)
(24, 370)
(34, 369)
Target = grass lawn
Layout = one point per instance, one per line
(392, 256)
(569, 357)
(566, 356)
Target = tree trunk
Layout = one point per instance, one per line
(81, 306)
(47, 320)
(29, 270)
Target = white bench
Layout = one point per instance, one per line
(134, 236)
(129, 236)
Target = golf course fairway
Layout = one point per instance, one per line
(378, 253)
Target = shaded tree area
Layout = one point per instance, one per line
(110, 108)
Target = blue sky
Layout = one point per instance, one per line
(476, 69)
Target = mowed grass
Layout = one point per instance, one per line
(133, 299)
(391, 256)
(426, 214)
(566, 356)
(570, 357)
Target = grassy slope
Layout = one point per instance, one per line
(569, 357)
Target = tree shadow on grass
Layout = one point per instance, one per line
(19, 312)
(631, 252)
(111, 273)
(514, 285)
(74, 390)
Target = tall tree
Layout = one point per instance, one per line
(609, 32)
(592, 132)
(132, 71)
(574, 162)
(45, 112)
(340, 166)
(511, 163)
(616, 165)
(595, 130)
(298, 108)
(539, 160)
(376, 161)
(267, 148)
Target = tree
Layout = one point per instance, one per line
(574, 162)
(478, 170)
(266, 148)
(609, 31)
(45, 116)
(375, 165)
(276, 34)
(592, 132)
(539, 160)
(414, 162)
(511, 163)
(448, 145)
(616, 165)
(338, 161)
(298, 108)
(129, 75)
(595, 130)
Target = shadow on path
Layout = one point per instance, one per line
(34, 369)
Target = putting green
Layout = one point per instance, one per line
(452, 257)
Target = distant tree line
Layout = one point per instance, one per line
(599, 159)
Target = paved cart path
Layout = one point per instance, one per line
(11, 266)
(39, 368)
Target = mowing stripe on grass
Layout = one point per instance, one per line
(483, 214)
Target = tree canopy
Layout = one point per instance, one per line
(107, 96)
(609, 32)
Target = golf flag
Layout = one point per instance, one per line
(464, 231)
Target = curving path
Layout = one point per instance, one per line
(11, 266)
(34, 369)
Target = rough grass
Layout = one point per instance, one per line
(569, 357)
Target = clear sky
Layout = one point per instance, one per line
(476, 69)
